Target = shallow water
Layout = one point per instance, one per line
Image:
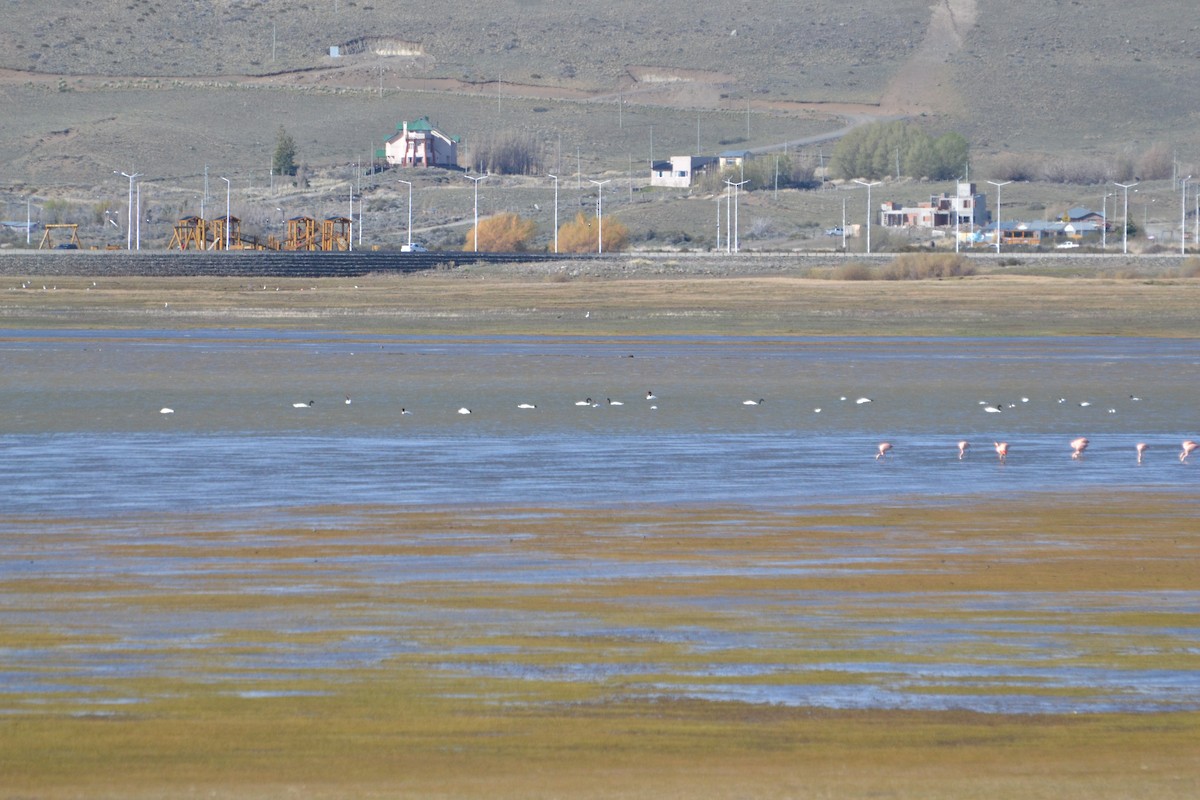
(81, 431)
(90, 464)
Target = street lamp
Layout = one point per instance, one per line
(409, 185)
(1183, 217)
(227, 185)
(1104, 220)
(476, 180)
(868, 185)
(732, 235)
(129, 216)
(1125, 230)
(843, 226)
(599, 213)
(999, 234)
(555, 211)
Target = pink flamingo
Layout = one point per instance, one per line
(884, 447)
(1078, 446)
(1002, 450)
(962, 449)
(1141, 448)
(1188, 447)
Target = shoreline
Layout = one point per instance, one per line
(615, 299)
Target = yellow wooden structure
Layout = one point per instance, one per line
(190, 232)
(218, 228)
(302, 234)
(48, 236)
(336, 232)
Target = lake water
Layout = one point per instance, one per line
(82, 432)
(86, 452)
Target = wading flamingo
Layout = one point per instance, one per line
(962, 449)
(1002, 450)
(884, 447)
(1141, 448)
(1188, 447)
(1078, 446)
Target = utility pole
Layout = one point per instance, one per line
(476, 180)
(869, 209)
(732, 234)
(599, 213)
(1125, 229)
(409, 184)
(227, 186)
(555, 211)
(999, 233)
(129, 221)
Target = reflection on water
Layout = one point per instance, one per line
(89, 462)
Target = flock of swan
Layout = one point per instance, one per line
(1078, 446)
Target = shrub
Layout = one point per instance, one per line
(923, 266)
(581, 235)
(852, 271)
(503, 233)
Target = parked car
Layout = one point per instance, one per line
(837, 231)
(1066, 245)
(413, 248)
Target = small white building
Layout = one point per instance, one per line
(680, 172)
(419, 144)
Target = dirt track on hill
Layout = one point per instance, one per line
(909, 92)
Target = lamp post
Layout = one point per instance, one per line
(599, 213)
(555, 211)
(227, 185)
(409, 185)
(1125, 229)
(718, 248)
(1183, 217)
(733, 230)
(476, 180)
(999, 234)
(129, 217)
(868, 185)
(843, 226)
(1104, 220)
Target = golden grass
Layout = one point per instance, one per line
(476, 302)
(487, 700)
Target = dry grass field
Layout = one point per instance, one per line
(553, 299)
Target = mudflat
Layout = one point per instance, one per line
(641, 652)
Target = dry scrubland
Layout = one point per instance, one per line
(110, 86)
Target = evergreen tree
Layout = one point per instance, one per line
(284, 162)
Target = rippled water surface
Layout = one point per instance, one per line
(81, 430)
(89, 462)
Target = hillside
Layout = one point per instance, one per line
(169, 88)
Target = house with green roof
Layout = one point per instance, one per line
(420, 144)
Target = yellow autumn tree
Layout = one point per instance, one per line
(581, 235)
(503, 233)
